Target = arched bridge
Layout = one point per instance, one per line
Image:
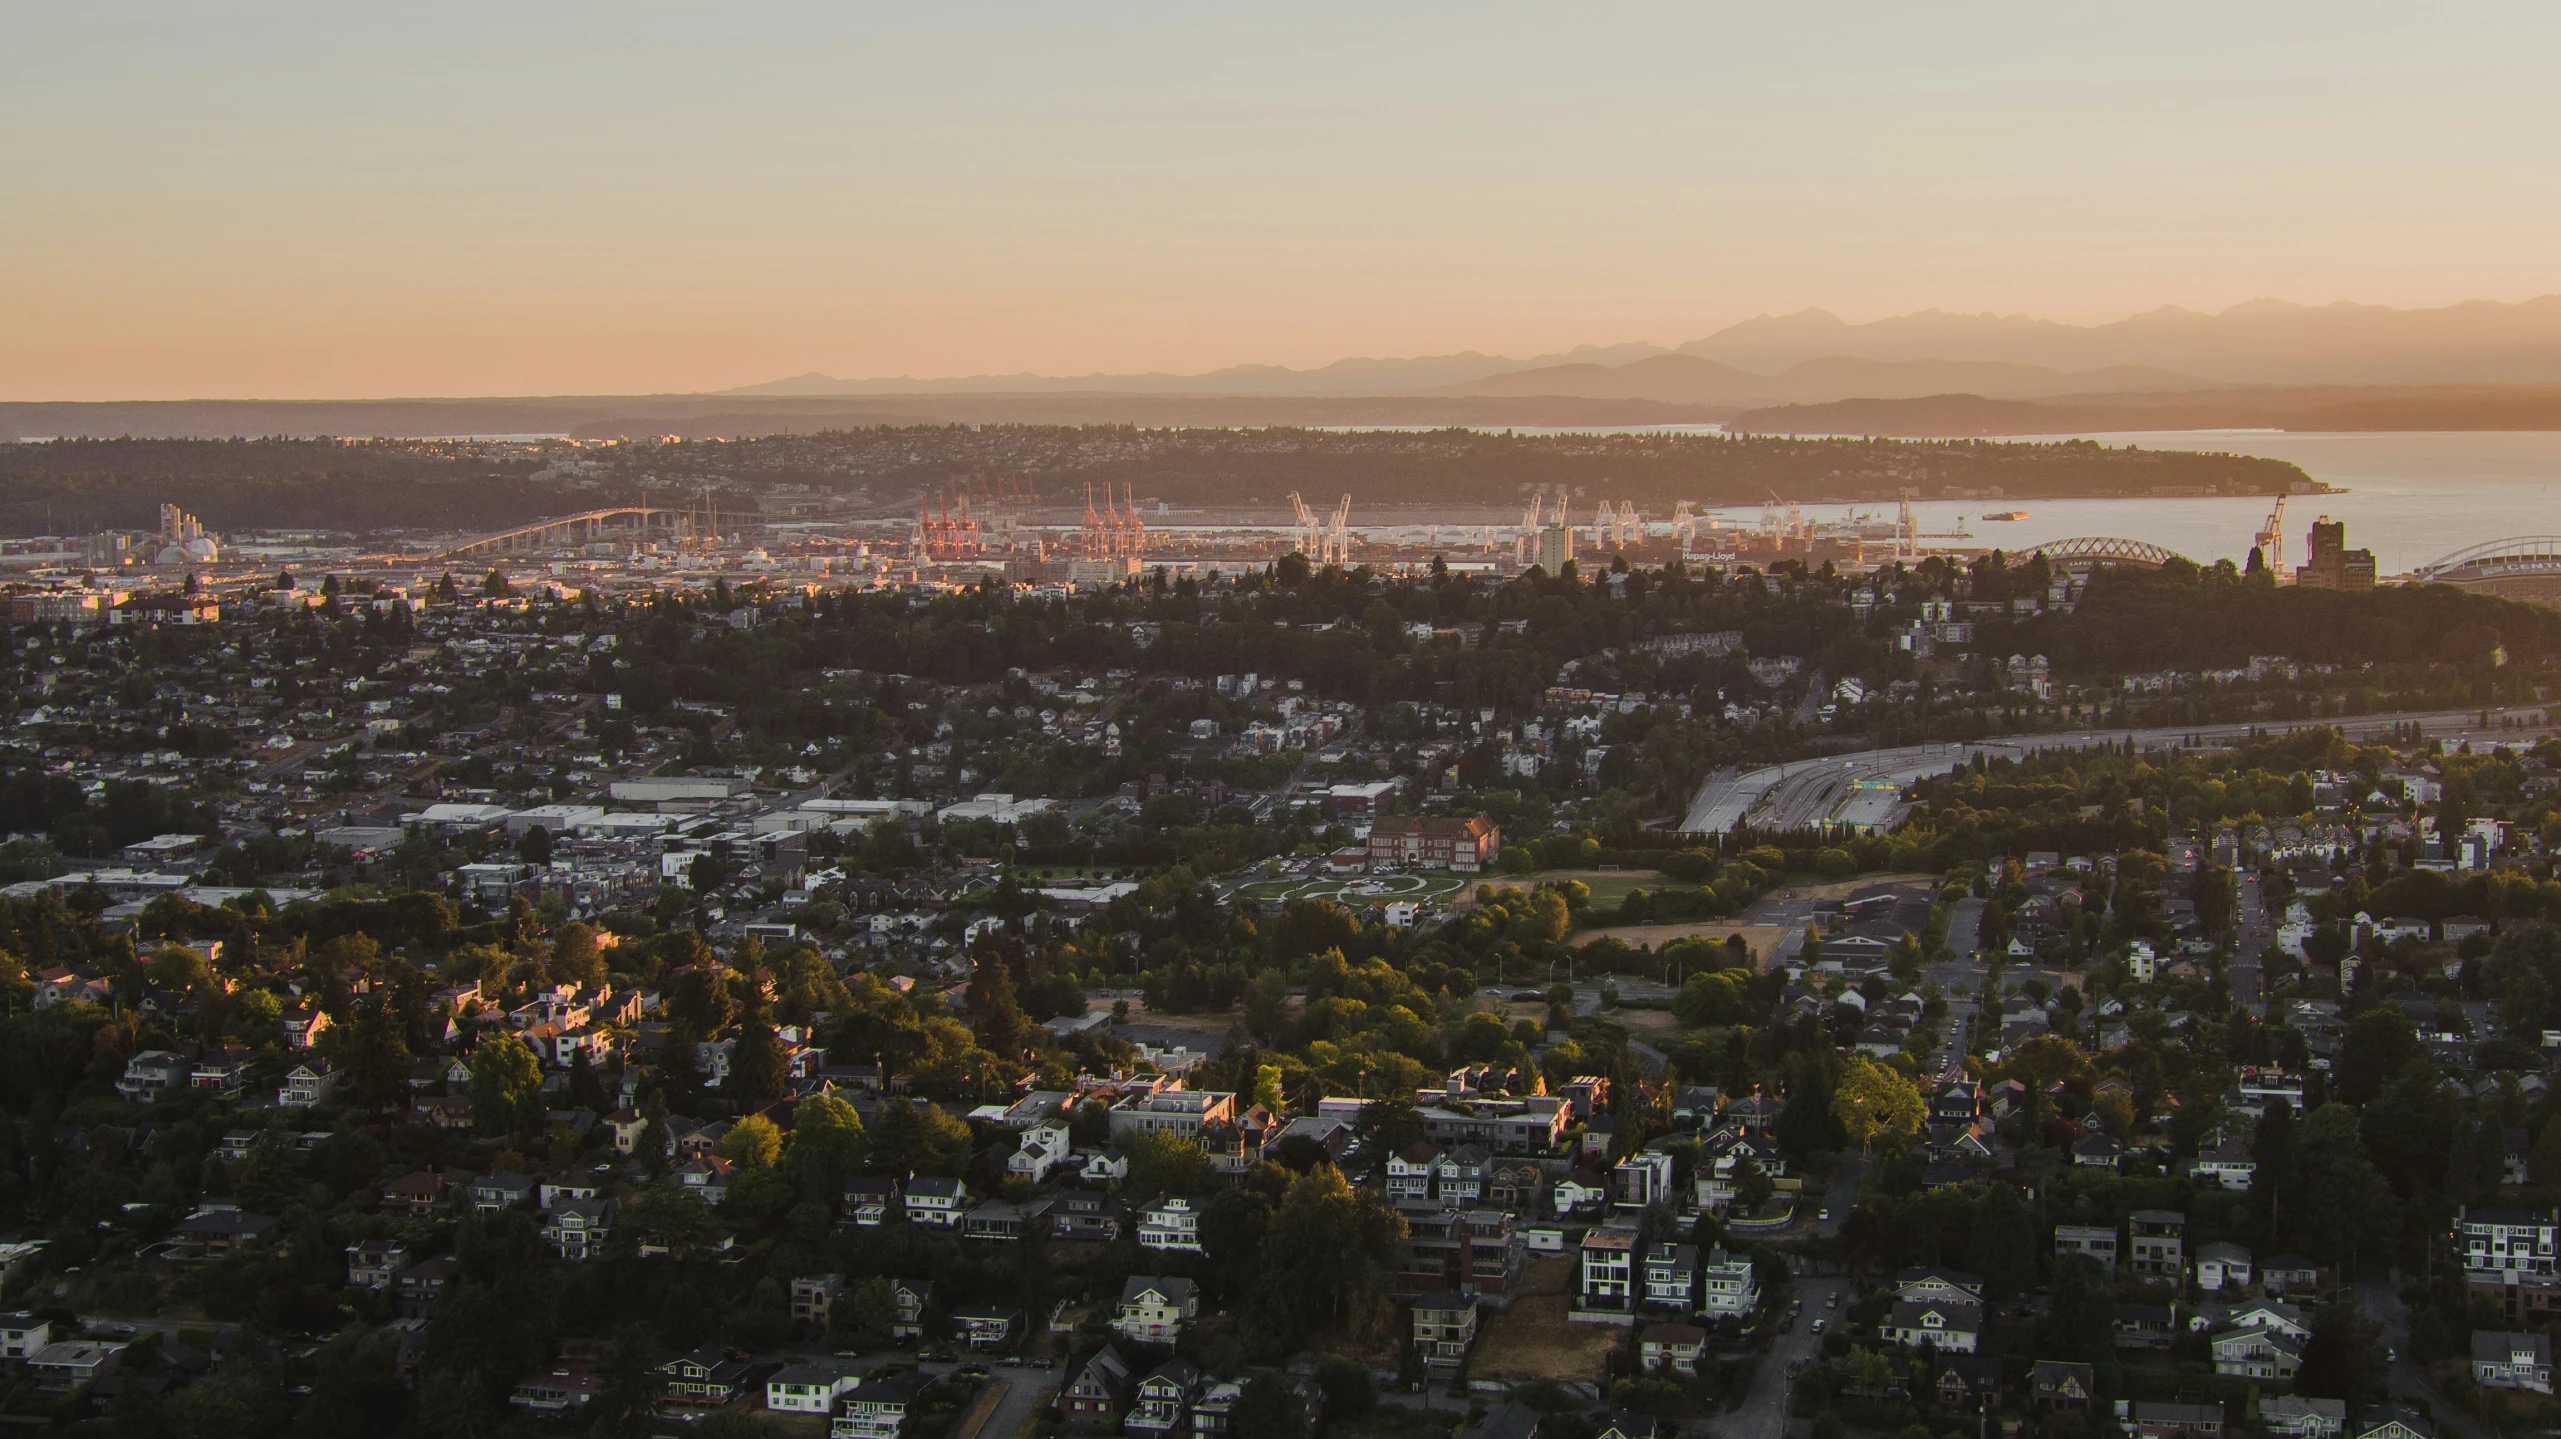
(2101, 549)
(621, 522)
(2526, 567)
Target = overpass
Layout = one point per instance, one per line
(621, 523)
(1852, 789)
(2526, 567)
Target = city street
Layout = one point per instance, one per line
(1762, 1411)
(2382, 1302)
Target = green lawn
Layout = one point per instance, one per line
(1608, 887)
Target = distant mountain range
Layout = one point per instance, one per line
(2314, 407)
(1813, 357)
(1343, 377)
(2481, 365)
(1684, 379)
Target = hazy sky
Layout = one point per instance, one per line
(452, 198)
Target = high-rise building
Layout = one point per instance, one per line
(2330, 564)
(1556, 547)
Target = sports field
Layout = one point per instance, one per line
(1360, 890)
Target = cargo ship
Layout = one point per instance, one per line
(2006, 515)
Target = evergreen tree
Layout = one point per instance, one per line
(1806, 1125)
(586, 1090)
(759, 1068)
(2083, 1326)
(2000, 1245)
(2344, 1357)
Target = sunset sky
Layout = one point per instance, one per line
(339, 200)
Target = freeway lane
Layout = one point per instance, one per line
(1803, 794)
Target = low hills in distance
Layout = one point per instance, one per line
(2315, 408)
(2264, 364)
(1693, 380)
(1765, 359)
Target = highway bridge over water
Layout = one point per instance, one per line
(622, 524)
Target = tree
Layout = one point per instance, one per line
(586, 1091)
(2083, 1326)
(805, 983)
(377, 1055)
(506, 1084)
(2000, 1245)
(919, 1139)
(1002, 1027)
(2544, 1164)
(1271, 1410)
(576, 958)
(759, 1068)
(2410, 1130)
(827, 1141)
(2344, 1357)
(752, 1143)
(1329, 1257)
(1161, 1163)
(700, 999)
(2342, 1206)
(665, 1214)
(628, 1397)
(1349, 1390)
(535, 847)
(1807, 1124)
(2378, 1045)
(2213, 890)
(864, 1316)
(1752, 1186)
(1715, 998)
(1872, 1099)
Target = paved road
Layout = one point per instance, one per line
(1762, 1412)
(1965, 927)
(2383, 1304)
(1803, 793)
(2252, 934)
(1026, 1390)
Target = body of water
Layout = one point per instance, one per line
(2412, 497)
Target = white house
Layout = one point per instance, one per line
(1572, 1194)
(1726, 1284)
(2512, 1361)
(2227, 1163)
(879, 1411)
(1169, 1224)
(936, 1200)
(1044, 1148)
(1950, 1328)
(1153, 1310)
(2220, 1266)
(307, 1084)
(23, 1334)
(2296, 1417)
(2257, 1353)
(2273, 1314)
(812, 1386)
(1924, 1285)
